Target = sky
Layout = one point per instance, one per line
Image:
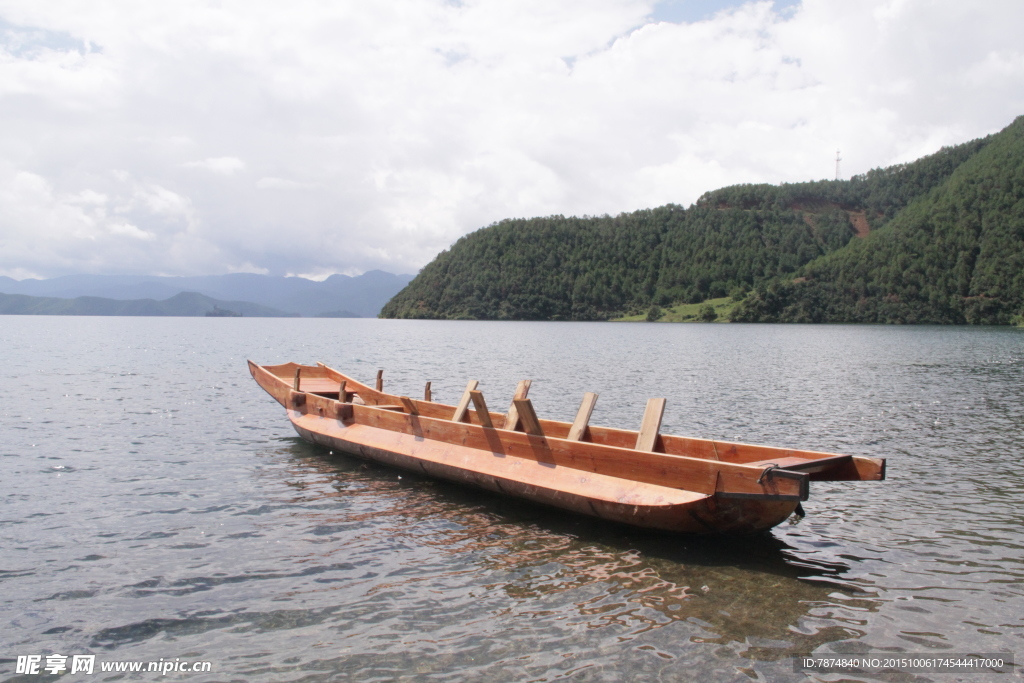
(307, 138)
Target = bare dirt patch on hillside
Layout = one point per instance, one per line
(859, 222)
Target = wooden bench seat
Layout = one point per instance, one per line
(318, 385)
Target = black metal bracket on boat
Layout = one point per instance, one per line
(767, 472)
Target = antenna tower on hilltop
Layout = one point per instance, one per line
(838, 159)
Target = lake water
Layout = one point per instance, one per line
(157, 504)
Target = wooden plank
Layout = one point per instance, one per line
(579, 425)
(648, 436)
(410, 407)
(380, 380)
(426, 393)
(287, 370)
(481, 408)
(512, 416)
(460, 410)
(330, 372)
(336, 380)
(342, 394)
(803, 464)
(295, 383)
(317, 385)
(691, 474)
(528, 416)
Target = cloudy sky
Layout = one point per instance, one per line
(214, 136)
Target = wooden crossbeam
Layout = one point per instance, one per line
(528, 416)
(426, 393)
(410, 407)
(380, 380)
(512, 416)
(648, 436)
(460, 410)
(481, 408)
(579, 425)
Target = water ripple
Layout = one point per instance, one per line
(164, 508)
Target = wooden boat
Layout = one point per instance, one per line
(643, 478)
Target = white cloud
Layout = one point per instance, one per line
(159, 201)
(247, 268)
(408, 124)
(223, 165)
(88, 197)
(128, 230)
(143, 226)
(282, 184)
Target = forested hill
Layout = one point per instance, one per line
(866, 249)
(954, 255)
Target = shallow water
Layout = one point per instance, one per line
(157, 504)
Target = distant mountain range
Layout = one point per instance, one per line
(246, 293)
(184, 304)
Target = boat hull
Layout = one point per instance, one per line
(633, 503)
(641, 478)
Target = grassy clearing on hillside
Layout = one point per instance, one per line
(687, 313)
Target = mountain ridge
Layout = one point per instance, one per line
(183, 304)
(360, 296)
(756, 243)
